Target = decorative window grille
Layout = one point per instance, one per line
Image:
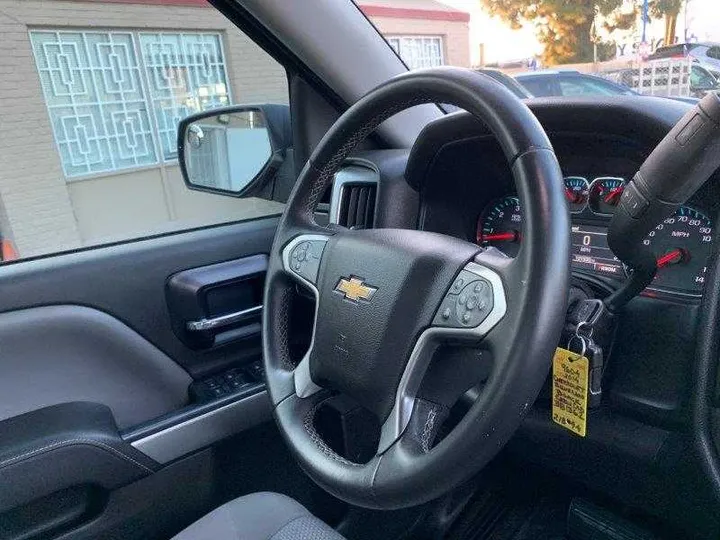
(186, 74)
(93, 90)
(99, 90)
(418, 51)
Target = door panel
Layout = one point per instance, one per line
(99, 326)
(58, 354)
(127, 281)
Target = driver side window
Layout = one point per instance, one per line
(94, 94)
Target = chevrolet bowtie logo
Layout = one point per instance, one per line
(354, 289)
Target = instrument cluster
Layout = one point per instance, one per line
(681, 243)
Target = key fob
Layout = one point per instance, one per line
(594, 354)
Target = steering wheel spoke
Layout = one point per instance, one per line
(301, 259)
(473, 305)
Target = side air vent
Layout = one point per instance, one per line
(357, 206)
(354, 195)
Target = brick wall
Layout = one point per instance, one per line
(38, 201)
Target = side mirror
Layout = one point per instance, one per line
(228, 151)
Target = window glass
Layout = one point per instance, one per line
(92, 94)
(714, 52)
(539, 86)
(587, 87)
(98, 103)
(186, 73)
(418, 51)
(700, 77)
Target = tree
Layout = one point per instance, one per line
(564, 27)
(669, 9)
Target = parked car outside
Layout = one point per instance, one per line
(573, 83)
(706, 53)
(703, 79)
(503, 78)
(569, 83)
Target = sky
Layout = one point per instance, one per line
(503, 44)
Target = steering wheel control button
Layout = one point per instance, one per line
(478, 305)
(470, 307)
(459, 282)
(305, 257)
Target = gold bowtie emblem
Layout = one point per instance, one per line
(354, 289)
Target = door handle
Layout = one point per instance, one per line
(229, 319)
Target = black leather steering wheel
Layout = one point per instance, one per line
(387, 298)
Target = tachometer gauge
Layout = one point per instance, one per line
(577, 190)
(605, 194)
(500, 225)
(681, 244)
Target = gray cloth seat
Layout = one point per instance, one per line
(260, 516)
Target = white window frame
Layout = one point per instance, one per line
(396, 42)
(155, 133)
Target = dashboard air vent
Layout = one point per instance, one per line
(357, 206)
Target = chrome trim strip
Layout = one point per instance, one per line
(202, 431)
(428, 341)
(223, 320)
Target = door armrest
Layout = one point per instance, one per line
(71, 444)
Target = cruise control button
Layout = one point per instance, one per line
(446, 315)
(478, 304)
(466, 305)
(305, 259)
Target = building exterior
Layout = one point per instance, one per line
(425, 33)
(91, 93)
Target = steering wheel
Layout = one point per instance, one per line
(387, 299)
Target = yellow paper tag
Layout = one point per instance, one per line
(569, 392)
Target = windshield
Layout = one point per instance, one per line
(646, 47)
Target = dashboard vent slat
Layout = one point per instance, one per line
(357, 206)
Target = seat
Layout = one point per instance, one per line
(260, 516)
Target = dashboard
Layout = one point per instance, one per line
(681, 243)
(487, 210)
(460, 183)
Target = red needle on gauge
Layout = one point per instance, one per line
(572, 196)
(500, 237)
(613, 194)
(672, 257)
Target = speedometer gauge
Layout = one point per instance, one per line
(681, 244)
(500, 225)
